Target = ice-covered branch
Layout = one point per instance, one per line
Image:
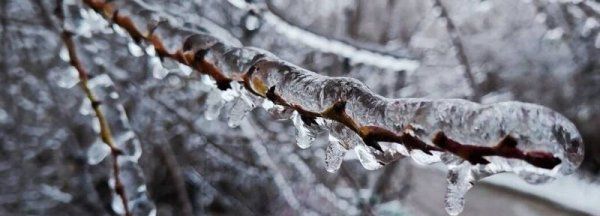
(472, 139)
(127, 181)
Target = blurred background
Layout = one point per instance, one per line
(51, 160)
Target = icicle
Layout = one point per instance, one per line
(240, 108)
(366, 158)
(305, 135)
(460, 180)
(334, 154)
(117, 203)
(214, 104)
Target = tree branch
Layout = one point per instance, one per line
(193, 55)
(105, 133)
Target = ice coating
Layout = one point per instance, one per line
(534, 128)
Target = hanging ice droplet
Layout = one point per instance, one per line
(67, 78)
(86, 107)
(97, 152)
(213, 105)
(240, 108)
(64, 54)
(117, 205)
(4, 118)
(366, 158)
(334, 154)
(251, 22)
(158, 71)
(134, 49)
(304, 136)
(185, 70)
(460, 180)
(151, 51)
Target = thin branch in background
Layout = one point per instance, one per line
(105, 133)
(183, 118)
(177, 177)
(461, 55)
(285, 189)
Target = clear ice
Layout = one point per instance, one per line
(305, 134)
(536, 128)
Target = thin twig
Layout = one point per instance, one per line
(461, 55)
(105, 133)
(177, 177)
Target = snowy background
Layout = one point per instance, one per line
(53, 163)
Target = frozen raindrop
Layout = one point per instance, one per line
(554, 34)
(66, 78)
(114, 95)
(64, 54)
(56, 194)
(251, 22)
(134, 49)
(117, 205)
(97, 152)
(151, 51)
(304, 136)
(120, 31)
(158, 71)
(86, 107)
